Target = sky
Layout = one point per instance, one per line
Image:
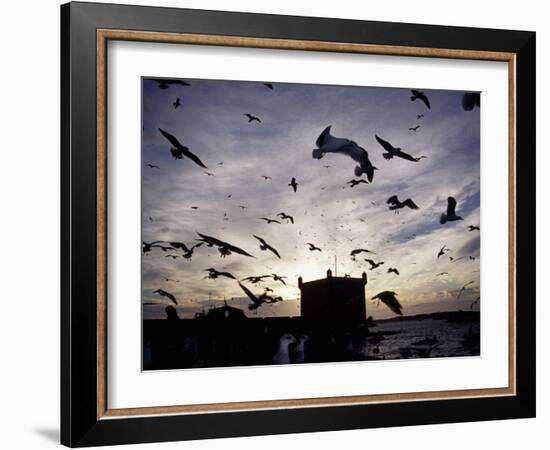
(326, 210)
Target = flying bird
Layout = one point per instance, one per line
(179, 151)
(420, 96)
(152, 166)
(171, 256)
(265, 177)
(442, 251)
(284, 216)
(293, 184)
(268, 85)
(356, 251)
(278, 278)
(189, 253)
(414, 128)
(165, 84)
(270, 220)
(252, 118)
(147, 247)
(256, 279)
(393, 269)
(472, 228)
(441, 273)
(388, 298)
(224, 248)
(374, 265)
(312, 247)
(419, 116)
(327, 143)
(265, 246)
(471, 100)
(450, 215)
(256, 301)
(396, 205)
(166, 294)
(476, 301)
(213, 274)
(179, 246)
(463, 288)
(177, 103)
(392, 151)
(353, 183)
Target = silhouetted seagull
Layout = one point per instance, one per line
(265, 246)
(282, 355)
(471, 100)
(392, 151)
(284, 216)
(166, 294)
(268, 85)
(213, 274)
(179, 150)
(179, 246)
(265, 177)
(256, 301)
(152, 166)
(224, 248)
(171, 256)
(396, 205)
(450, 215)
(252, 118)
(293, 184)
(356, 251)
(165, 84)
(421, 96)
(388, 298)
(270, 220)
(463, 288)
(312, 247)
(189, 253)
(441, 273)
(147, 247)
(256, 279)
(353, 183)
(442, 251)
(472, 228)
(278, 278)
(327, 143)
(419, 116)
(299, 350)
(374, 265)
(414, 128)
(394, 270)
(177, 103)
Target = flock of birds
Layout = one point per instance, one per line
(326, 143)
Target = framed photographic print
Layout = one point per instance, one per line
(277, 224)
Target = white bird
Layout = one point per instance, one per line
(327, 143)
(299, 350)
(282, 356)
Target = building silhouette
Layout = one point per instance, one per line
(338, 302)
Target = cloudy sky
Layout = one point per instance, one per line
(327, 212)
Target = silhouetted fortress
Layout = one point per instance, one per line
(333, 300)
(333, 314)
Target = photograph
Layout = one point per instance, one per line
(287, 223)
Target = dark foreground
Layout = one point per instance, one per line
(224, 342)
